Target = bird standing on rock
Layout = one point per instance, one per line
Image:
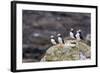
(72, 34)
(79, 35)
(53, 41)
(60, 39)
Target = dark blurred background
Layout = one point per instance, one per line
(38, 26)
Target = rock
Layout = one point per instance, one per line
(61, 52)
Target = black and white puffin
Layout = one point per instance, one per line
(52, 39)
(79, 35)
(60, 39)
(72, 33)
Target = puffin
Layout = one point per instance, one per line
(52, 39)
(60, 39)
(72, 34)
(79, 35)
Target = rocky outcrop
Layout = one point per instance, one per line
(68, 51)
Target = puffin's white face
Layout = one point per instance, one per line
(79, 30)
(72, 29)
(58, 34)
(51, 36)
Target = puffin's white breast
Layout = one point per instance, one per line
(78, 36)
(53, 41)
(60, 40)
(72, 35)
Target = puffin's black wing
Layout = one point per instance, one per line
(74, 34)
(81, 36)
(62, 39)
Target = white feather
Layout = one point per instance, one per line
(53, 42)
(78, 36)
(72, 35)
(60, 40)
